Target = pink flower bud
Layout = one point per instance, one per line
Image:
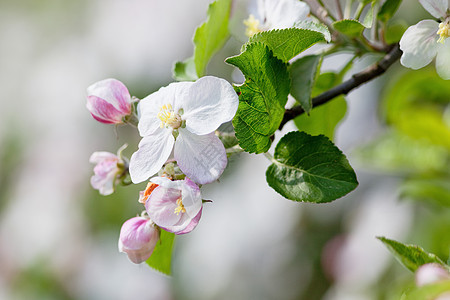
(109, 167)
(430, 273)
(109, 101)
(138, 238)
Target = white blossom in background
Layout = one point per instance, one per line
(175, 206)
(138, 238)
(428, 39)
(109, 101)
(183, 116)
(275, 14)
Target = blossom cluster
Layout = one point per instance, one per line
(181, 119)
(179, 150)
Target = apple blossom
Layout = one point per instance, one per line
(138, 238)
(175, 206)
(108, 169)
(275, 14)
(183, 116)
(109, 101)
(428, 39)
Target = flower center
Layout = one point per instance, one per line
(252, 26)
(168, 117)
(180, 208)
(444, 31)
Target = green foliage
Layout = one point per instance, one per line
(288, 43)
(398, 153)
(394, 31)
(388, 9)
(368, 19)
(185, 71)
(352, 28)
(324, 118)
(415, 105)
(315, 26)
(208, 38)
(162, 255)
(303, 75)
(310, 169)
(261, 98)
(410, 256)
(430, 190)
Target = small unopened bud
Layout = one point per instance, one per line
(109, 101)
(138, 238)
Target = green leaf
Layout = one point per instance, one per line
(162, 255)
(352, 28)
(315, 26)
(310, 169)
(429, 291)
(368, 19)
(324, 118)
(303, 75)
(287, 43)
(388, 9)
(208, 38)
(262, 97)
(185, 71)
(394, 31)
(410, 256)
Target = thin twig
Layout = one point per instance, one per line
(344, 88)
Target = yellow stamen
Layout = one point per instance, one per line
(444, 31)
(252, 26)
(180, 208)
(168, 117)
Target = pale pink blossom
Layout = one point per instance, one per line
(109, 101)
(138, 238)
(109, 167)
(175, 206)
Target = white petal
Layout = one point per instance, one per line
(419, 44)
(437, 8)
(443, 60)
(152, 154)
(201, 157)
(150, 106)
(284, 13)
(161, 206)
(211, 101)
(192, 198)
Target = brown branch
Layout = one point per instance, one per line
(344, 88)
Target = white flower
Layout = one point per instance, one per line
(184, 116)
(275, 14)
(428, 39)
